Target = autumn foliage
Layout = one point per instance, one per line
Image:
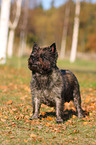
(46, 26)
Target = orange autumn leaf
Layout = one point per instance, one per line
(6, 117)
(48, 124)
(27, 89)
(9, 102)
(85, 123)
(14, 109)
(25, 140)
(9, 132)
(19, 139)
(90, 114)
(49, 118)
(26, 117)
(87, 100)
(40, 139)
(43, 113)
(76, 131)
(74, 116)
(33, 135)
(23, 98)
(67, 123)
(92, 104)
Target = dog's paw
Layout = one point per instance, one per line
(34, 117)
(59, 120)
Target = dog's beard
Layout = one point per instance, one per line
(39, 69)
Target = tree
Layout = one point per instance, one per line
(75, 32)
(13, 27)
(65, 31)
(23, 33)
(5, 13)
(52, 3)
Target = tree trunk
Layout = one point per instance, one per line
(22, 45)
(23, 33)
(65, 30)
(13, 27)
(10, 43)
(75, 32)
(4, 25)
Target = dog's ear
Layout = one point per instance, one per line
(35, 46)
(53, 47)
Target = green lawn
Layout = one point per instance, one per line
(16, 109)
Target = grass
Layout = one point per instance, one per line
(16, 109)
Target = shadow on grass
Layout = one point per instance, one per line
(66, 115)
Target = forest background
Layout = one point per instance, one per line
(46, 26)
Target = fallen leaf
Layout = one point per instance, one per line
(14, 109)
(27, 89)
(43, 113)
(40, 139)
(49, 118)
(16, 118)
(67, 123)
(25, 140)
(33, 135)
(26, 117)
(9, 102)
(87, 99)
(90, 114)
(5, 117)
(9, 132)
(74, 116)
(76, 131)
(12, 137)
(18, 139)
(3, 120)
(48, 124)
(85, 123)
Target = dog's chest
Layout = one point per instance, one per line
(42, 82)
(46, 92)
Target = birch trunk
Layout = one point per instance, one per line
(10, 43)
(22, 45)
(65, 30)
(75, 32)
(13, 27)
(23, 33)
(4, 25)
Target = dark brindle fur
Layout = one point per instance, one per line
(49, 84)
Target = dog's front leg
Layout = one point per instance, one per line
(36, 107)
(58, 110)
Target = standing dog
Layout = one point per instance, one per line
(49, 84)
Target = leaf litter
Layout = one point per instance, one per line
(16, 110)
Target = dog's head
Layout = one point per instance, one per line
(42, 60)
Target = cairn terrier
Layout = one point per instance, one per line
(49, 84)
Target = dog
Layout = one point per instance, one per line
(50, 85)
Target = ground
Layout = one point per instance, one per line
(16, 109)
